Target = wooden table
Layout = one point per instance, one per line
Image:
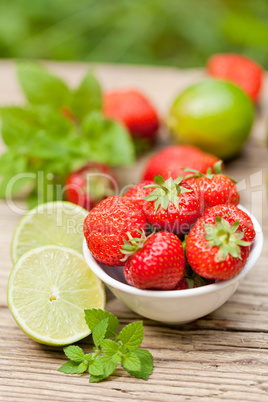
(223, 356)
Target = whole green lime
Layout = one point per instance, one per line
(214, 115)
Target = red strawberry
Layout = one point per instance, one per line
(108, 223)
(171, 161)
(135, 111)
(213, 189)
(158, 261)
(172, 206)
(218, 245)
(239, 69)
(138, 192)
(90, 185)
(233, 214)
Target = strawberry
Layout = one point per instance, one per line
(134, 110)
(171, 161)
(158, 261)
(108, 223)
(239, 69)
(172, 205)
(90, 185)
(139, 191)
(212, 188)
(217, 246)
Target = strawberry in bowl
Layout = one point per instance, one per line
(218, 245)
(213, 188)
(151, 292)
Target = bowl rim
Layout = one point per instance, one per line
(254, 255)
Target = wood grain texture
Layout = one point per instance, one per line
(223, 356)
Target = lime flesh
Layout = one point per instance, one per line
(48, 290)
(57, 223)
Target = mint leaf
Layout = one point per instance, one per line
(146, 361)
(132, 335)
(19, 125)
(99, 331)
(74, 353)
(94, 316)
(96, 368)
(73, 368)
(109, 363)
(109, 347)
(131, 362)
(108, 140)
(87, 97)
(94, 378)
(88, 357)
(40, 87)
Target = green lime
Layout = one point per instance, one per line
(48, 289)
(57, 223)
(214, 115)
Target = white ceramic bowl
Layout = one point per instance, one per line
(174, 306)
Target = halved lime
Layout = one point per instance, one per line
(56, 223)
(48, 289)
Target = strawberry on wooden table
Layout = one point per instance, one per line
(172, 205)
(213, 188)
(108, 223)
(134, 110)
(156, 262)
(239, 69)
(90, 185)
(171, 161)
(219, 244)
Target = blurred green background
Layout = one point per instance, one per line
(180, 33)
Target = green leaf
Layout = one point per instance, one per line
(94, 378)
(88, 357)
(96, 368)
(99, 331)
(109, 363)
(87, 97)
(132, 335)
(146, 361)
(74, 353)
(110, 347)
(94, 316)
(108, 141)
(131, 362)
(19, 125)
(73, 368)
(40, 87)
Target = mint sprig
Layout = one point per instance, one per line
(110, 349)
(58, 131)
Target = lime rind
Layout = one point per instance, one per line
(48, 290)
(56, 223)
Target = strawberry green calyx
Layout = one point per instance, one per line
(226, 237)
(192, 278)
(133, 244)
(166, 191)
(195, 174)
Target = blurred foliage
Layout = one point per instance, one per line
(165, 32)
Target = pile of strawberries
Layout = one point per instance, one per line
(181, 230)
